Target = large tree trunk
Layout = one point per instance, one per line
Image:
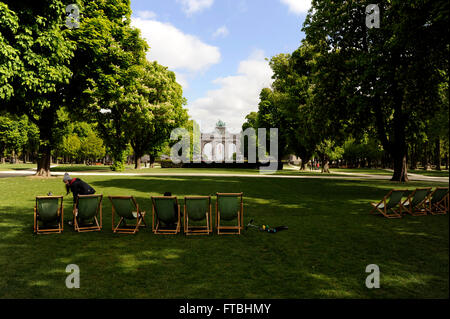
(304, 165)
(280, 165)
(45, 125)
(137, 162)
(400, 168)
(438, 154)
(325, 164)
(152, 160)
(43, 162)
(399, 150)
(412, 158)
(304, 156)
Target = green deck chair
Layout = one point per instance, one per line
(229, 207)
(166, 215)
(85, 217)
(196, 210)
(48, 211)
(390, 205)
(416, 203)
(127, 209)
(438, 201)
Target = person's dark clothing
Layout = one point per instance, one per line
(79, 187)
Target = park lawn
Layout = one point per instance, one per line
(158, 170)
(377, 171)
(324, 254)
(21, 166)
(366, 171)
(433, 173)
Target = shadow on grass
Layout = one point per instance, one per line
(330, 241)
(80, 169)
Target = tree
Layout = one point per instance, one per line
(287, 105)
(108, 73)
(81, 142)
(159, 111)
(35, 55)
(250, 141)
(292, 79)
(270, 115)
(71, 146)
(328, 151)
(92, 147)
(13, 135)
(387, 77)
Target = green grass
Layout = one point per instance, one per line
(285, 171)
(367, 171)
(330, 241)
(433, 173)
(7, 166)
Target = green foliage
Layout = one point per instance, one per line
(52, 73)
(157, 111)
(372, 80)
(16, 134)
(36, 51)
(363, 150)
(81, 142)
(92, 146)
(71, 146)
(329, 150)
(288, 104)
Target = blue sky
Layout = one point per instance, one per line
(217, 48)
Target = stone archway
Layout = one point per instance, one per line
(219, 136)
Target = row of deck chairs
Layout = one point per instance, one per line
(166, 214)
(419, 202)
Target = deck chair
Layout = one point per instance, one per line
(390, 206)
(166, 215)
(85, 213)
(128, 210)
(197, 209)
(229, 207)
(438, 201)
(48, 211)
(416, 203)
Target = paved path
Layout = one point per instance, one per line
(342, 175)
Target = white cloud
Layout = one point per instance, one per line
(193, 6)
(146, 14)
(175, 49)
(236, 96)
(298, 6)
(182, 79)
(221, 32)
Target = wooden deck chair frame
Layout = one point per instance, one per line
(382, 206)
(230, 230)
(132, 229)
(197, 230)
(420, 209)
(441, 207)
(39, 230)
(98, 225)
(155, 221)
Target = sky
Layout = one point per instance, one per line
(218, 50)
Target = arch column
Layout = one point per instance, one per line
(239, 155)
(213, 150)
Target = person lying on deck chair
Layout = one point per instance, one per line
(78, 187)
